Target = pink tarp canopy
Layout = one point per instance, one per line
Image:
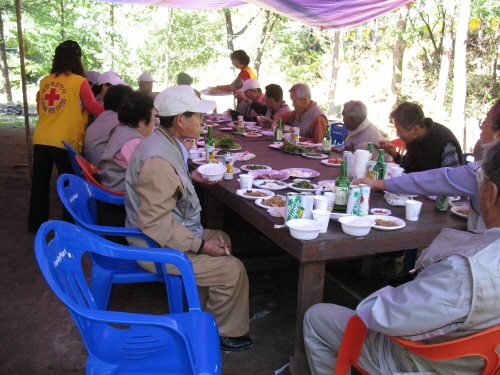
(317, 13)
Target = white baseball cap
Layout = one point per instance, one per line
(250, 84)
(92, 76)
(110, 77)
(179, 99)
(147, 77)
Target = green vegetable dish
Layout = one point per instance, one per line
(237, 129)
(293, 148)
(303, 185)
(226, 142)
(255, 167)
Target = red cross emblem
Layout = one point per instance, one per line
(51, 97)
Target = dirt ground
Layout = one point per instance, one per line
(38, 335)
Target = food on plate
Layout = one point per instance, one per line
(273, 184)
(292, 147)
(278, 201)
(334, 161)
(253, 134)
(266, 176)
(463, 211)
(252, 193)
(303, 185)
(313, 154)
(254, 167)
(237, 129)
(379, 211)
(298, 173)
(385, 223)
(226, 142)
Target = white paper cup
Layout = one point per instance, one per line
(203, 154)
(396, 171)
(331, 199)
(194, 154)
(412, 209)
(321, 202)
(246, 181)
(322, 217)
(288, 137)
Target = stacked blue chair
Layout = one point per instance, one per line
(78, 197)
(71, 154)
(338, 132)
(120, 342)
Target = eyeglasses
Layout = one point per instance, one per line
(480, 176)
(481, 123)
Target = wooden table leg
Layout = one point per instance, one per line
(310, 292)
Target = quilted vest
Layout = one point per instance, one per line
(304, 122)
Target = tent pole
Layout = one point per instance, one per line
(23, 84)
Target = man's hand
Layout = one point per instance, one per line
(240, 94)
(214, 248)
(261, 120)
(214, 90)
(388, 147)
(196, 176)
(338, 150)
(375, 185)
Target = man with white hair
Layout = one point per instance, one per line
(361, 130)
(310, 118)
(161, 201)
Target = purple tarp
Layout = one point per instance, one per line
(317, 13)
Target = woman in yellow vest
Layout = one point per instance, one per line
(63, 102)
(240, 60)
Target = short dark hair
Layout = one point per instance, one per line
(96, 89)
(114, 97)
(274, 92)
(136, 107)
(496, 114)
(184, 79)
(241, 56)
(491, 166)
(168, 121)
(408, 115)
(68, 58)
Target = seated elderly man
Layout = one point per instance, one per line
(97, 135)
(361, 130)
(306, 115)
(251, 93)
(160, 200)
(454, 295)
(275, 104)
(429, 145)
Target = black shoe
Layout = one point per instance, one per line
(234, 344)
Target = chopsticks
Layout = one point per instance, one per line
(275, 206)
(225, 247)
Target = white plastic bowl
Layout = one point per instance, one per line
(250, 123)
(356, 230)
(304, 229)
(267, 133)
(212, 171)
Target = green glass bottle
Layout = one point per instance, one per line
(341, 188)
(378, 169)
(278, 131)
(327, 141)
(370, 150)
(209, 140)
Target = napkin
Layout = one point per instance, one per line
(396, 199)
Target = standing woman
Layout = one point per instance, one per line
(63, 103)
(240, 60)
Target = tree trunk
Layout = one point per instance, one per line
(266, 31)
(112, 23)
(495, 91)
(460, 74)
(63, 33)
(335, 70)
(167, 45)
(446, 54)
(229, 29)
(3, 64)
(398, 53)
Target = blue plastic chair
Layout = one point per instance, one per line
(78, 197)
(121, 342)
(338, 134)
(468, 157)
(72, 153)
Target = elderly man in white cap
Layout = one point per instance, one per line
(146, 83)
(252, 94)
(160, 200)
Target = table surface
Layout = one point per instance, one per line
(333, 244)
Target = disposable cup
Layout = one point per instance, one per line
(322, 217)
(194, 154)
(321, 202)
(331, 199)
(397, 171)
(246, 181)
(412, 209)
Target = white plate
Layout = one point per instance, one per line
(386, 211)
(276, 146)
(434, 197)
(260, 183)
(338, 215)
(316, 155)
(282, 175)
(456, 209)
(236, 170)
(301, 172)
(401, 223)
(241, 192)
(325, 162)
(226, 129)
(213, 123)
(246, 167)
(327, 185)
(238, 133)
(316, 188)
(203, 161)
(258, 202)
(243, 156)
(235, 149)
(252, 135)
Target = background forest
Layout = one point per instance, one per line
(442, 54)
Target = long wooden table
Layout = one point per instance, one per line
(333, 244)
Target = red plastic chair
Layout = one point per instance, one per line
(400, 145)
(88, 173)
(482, 344)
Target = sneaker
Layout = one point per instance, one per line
(234, 344)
